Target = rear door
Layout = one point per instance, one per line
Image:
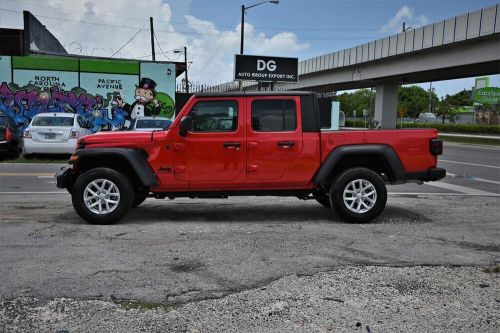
(274, 140)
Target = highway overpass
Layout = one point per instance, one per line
(462, 46)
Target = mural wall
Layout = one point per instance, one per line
(106, 92)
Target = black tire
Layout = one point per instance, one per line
(323, 199)
(369, 205)
(138, 199)
(125, 191)
(13, 152)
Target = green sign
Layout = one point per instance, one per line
(490, 95)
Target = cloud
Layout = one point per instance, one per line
(108, 27)
(407, 15)
(213, 52)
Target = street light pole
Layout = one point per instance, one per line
(242, 28)
(242, 36)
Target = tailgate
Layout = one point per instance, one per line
(53, 134)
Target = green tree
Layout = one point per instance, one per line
(445, 111)
(415, 100)
(356, 101)
(461, 98)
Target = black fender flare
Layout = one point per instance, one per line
(135, 158)
(397, 169)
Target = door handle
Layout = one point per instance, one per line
(178, 147)
(252, 145)
(286, 144)
(232, 145)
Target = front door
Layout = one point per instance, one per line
(214, 151)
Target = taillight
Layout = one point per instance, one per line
(7, 134)
(27, 133)
(436, 147)
(73, 134)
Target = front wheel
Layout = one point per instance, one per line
(102, 196)
(358, 195)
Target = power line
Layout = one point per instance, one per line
(158, 42)
(126, 42)
(190, 32)
(76, 21)
(189, 24)
(220, 44)
(73, 11)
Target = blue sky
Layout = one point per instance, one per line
(210, 28)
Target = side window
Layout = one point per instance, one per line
(215, 116)
(273, 115)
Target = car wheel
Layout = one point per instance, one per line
(25, 154)
(138, 199)
(358, 195)
(14, 153)
(323, 198)
(102, 196)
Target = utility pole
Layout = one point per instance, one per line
(186, 64)
(430, 97)
(152, 37)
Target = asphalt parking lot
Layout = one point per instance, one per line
(255, 264)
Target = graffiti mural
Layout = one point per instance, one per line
(97, 90)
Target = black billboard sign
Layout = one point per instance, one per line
(266, 69)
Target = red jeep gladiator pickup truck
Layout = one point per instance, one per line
(248, 143)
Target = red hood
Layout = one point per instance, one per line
(115, 139)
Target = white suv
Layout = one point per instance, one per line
(54, 133)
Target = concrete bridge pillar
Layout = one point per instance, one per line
(386, 104)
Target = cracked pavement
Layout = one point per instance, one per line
(183, 253)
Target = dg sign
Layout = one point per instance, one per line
(265, 69)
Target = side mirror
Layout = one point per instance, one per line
(186, 125)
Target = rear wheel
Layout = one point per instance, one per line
(358, 195)
(102, 196)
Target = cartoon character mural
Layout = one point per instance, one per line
(146, 104)
(26, 90)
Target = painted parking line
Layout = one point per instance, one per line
(394, 194)
(27, 174)
(473, 164)
(52, 192)
(473, 178)
(462, 189)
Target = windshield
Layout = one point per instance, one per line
(52, 121)
(153, 123)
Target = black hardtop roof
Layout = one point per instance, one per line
(254, 93)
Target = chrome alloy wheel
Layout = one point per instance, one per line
(360, 196)
(101, 196)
